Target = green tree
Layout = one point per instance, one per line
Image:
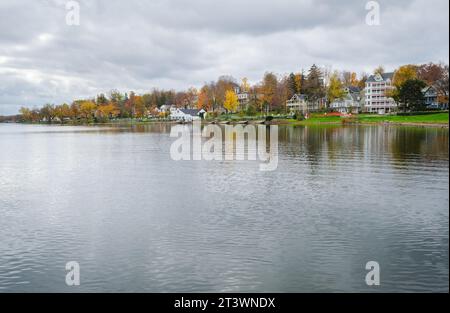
(314, 88)
(292, 85)
(410, 96)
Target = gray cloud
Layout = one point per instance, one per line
(139, 45)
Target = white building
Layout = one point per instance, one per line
(186, 115)
(243, 97)
(166, 108)
(431, 97)
(300, 103)
(297, 103)
(350, 103)
(376, 91)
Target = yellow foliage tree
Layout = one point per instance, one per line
(245, 86)
(298, 82)
(109, 110)
(231, 103)
(87, 108)
(404, 73)
(335, 88)
(354, 80)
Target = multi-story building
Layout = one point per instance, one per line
(349, 103)
(301, 103)
(377, 91)
(431, 97)
(243, 97)
(297, 103)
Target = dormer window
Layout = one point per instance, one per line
(378, 78)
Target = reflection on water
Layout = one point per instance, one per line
(112, 199)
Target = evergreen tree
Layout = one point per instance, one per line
(314, 85)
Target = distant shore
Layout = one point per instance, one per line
(440, 120)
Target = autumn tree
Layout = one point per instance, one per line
(362, 81)
(139, 107)
(205, 100)
(268, 89)
(62, 112)
(108, 111)
(47, 112)
(436, 75)
(299, 82)
(224, 84)
(130, 105)
(335, 89)
(404, 73)
(255, 99)
(25, 114)
(87, 109)
(431, 73)
(442, 86)
(284, 92)
(231, 103)
(245, 85)
(354, 81)
(191, 96)
(401, 75)
(346, 78)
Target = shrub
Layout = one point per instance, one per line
(298, 116)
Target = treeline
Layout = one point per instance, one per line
(106, 107)
(410, 80)
(10, 118)
(268, 95)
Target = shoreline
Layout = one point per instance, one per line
(279, 122)
(342, 123)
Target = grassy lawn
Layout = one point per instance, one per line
(438, 118)
(317, 118)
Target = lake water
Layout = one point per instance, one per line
(113, 200)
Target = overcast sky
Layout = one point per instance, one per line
(139, 45)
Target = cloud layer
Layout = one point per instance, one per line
(139, 45)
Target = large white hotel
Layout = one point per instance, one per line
(376, 93)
